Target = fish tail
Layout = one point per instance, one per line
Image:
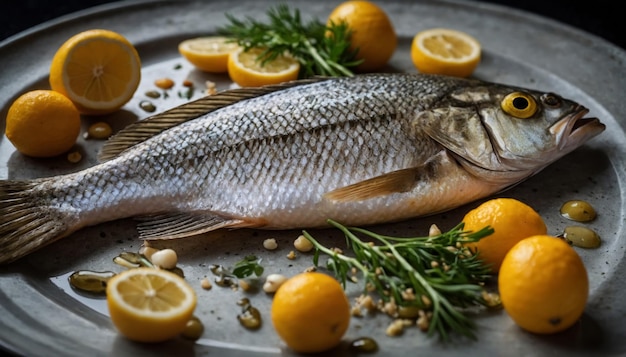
(27, 222)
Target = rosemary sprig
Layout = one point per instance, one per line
(443, 276)
(320, 49)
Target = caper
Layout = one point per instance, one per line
(99, 130)
(250, 318)
(147, 106)
(577, 210)
(90, 281)
(194, 329)
(152, 94)
(364, 345)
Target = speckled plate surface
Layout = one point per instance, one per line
(41, 315)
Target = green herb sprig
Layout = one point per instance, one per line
(444, 276)
(320, 49)
(247, 266)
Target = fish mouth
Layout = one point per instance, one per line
(574, 129)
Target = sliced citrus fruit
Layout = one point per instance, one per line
(150, 305)
(209, 54)
(247, 70)
(98, 70)
(372, 32)
(445, 51)
(42, 123)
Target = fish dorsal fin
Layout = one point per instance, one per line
(393, 182)
(180, 225)
(156, 124)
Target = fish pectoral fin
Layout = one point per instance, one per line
(180, 225)
(393, 182)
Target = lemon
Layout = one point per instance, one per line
(209, 54)
(311, 312)
(445, 51)
(372, 32)
(42, 123)
(511, 220)
(246, 70)
(150, 305)
(543, 284)
(98, 70)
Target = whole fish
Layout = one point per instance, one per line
(361, 150)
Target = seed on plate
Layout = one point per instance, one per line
(270, 244)
(206, 284)
(147, 251)
(164, 83)
(273, 282)
(187, 83)
(291, 255)
(74, 157)
(302, 244)
(165, 258)
(434, 230)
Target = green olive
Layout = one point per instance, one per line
(580, 211)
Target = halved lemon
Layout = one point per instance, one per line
(445, 51)
(150, 305)
(209, 54)
(98, 70)
(245, 68)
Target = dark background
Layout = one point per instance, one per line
(603, 18)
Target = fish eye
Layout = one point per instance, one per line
(519, 105)
(551, 100)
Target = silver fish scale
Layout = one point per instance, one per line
(271, 157)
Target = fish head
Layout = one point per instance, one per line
(506, 134)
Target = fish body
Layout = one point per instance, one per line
(361, 150)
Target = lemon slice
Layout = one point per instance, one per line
(150, 305)
(209, 54)
(98, 70)
(445, 51)
(246, 70)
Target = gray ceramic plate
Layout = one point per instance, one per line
(41, 315)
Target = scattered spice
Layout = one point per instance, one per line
(164, 83)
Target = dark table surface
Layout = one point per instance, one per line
(603, 18)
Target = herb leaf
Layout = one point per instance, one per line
(248, 266)
(442, 274)
(320, 49)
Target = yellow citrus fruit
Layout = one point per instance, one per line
(445, 51)
(99, 70)
(543, 284)
(42, 123)
(209, 54)
(372, 32)
(311, 312)
(150, 305)
(511, 220)
(245, 69)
